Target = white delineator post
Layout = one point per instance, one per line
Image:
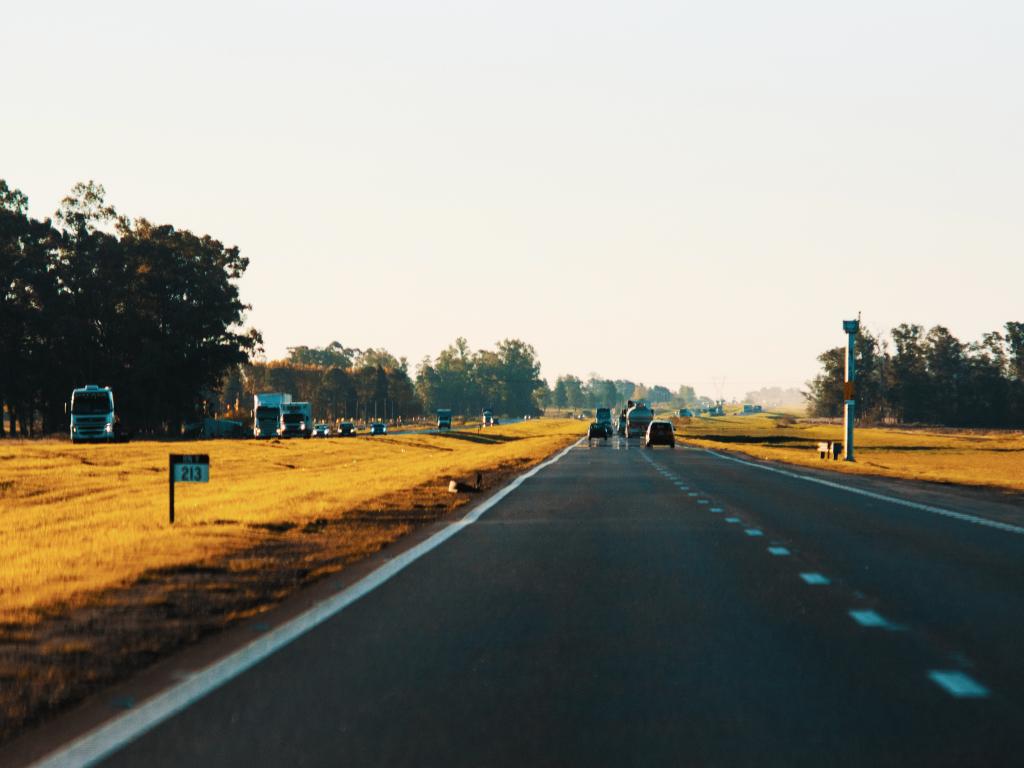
(849, 389)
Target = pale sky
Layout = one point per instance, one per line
(669, 192)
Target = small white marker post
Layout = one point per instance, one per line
(187, 468)
(849, 389)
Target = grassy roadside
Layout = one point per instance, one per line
(980, 458)
(97, 584)
(76, 519)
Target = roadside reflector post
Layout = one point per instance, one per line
(186, 468)
(849, 388)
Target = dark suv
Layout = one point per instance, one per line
(660, 433)
(597, 431)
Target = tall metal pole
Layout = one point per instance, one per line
(849, 389)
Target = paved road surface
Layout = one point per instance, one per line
(632, 607)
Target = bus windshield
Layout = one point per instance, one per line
(91, 403)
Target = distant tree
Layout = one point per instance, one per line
(560, 394)
(945, 361)
(574, 392)
(626, 389)
(605, 394)
(519, 370)
(334, 355)
(659, 394)
(686, 395)
(543, 396)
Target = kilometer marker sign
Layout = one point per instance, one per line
(187, 468)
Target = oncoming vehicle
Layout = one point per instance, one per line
(346, 429)
(296, 420)
(444, 418)
(488, 418)
(378, 428)
(660, 433)
(267, 413)
(321, 430)
(92, 414)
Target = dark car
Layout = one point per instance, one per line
(660, 433)
(346, 429)
(597, 431)
(378, 428)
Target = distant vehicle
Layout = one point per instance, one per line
(297, 420)
(92, 414)
(598, 431)
(685, 412)
(444, 418)
(488, 418)
(266, 409)
(604, 416)
(660, 433)
(321, 430)
(495, 422)
(378, 428)
(346, 429)
(638, 416)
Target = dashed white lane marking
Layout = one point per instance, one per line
(868, 619)
(815, 578)
(692, 493)
(717, 509)
(754, 532)
(958, 684)
(779, 551)
(732, 519)
(703, 501)
(98, 744)
(983, 521)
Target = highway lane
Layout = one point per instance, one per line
(625, 607)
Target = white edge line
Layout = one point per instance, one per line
(1008, 527)
(111, 736)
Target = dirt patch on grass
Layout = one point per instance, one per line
(61, 654)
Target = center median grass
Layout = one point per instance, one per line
(992, 459)
(96, 583)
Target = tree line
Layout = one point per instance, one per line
(90, 296)
(914, 376)
(339, 382)
(350, 383)
(572, 392)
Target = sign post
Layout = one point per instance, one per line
(849, 388)
(186, 468)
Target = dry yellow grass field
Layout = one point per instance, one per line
(981, 458)
(78, 519)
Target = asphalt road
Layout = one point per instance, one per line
(632, 607)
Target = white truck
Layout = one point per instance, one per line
(92, 414)
(638, 417)
(296, 420)
(266, 413)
